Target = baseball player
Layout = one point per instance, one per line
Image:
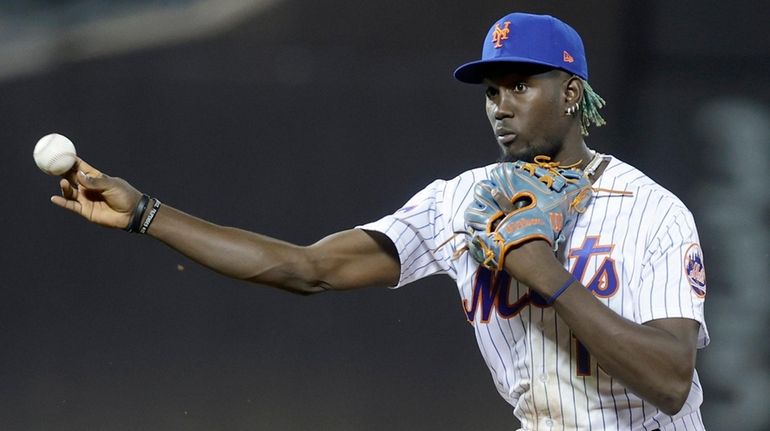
(600, 335)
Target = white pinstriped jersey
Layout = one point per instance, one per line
(638, 254)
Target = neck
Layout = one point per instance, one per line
(577, 152)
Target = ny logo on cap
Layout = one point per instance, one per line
(500, 34)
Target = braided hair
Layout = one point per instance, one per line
(590, 104)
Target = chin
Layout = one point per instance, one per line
(528, 152)
(511, 156)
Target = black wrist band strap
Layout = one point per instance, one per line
(150, 217)
(136, 218)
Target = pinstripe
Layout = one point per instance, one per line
(571, 380)
(484, 351)
(499, 356)
(614, 403)
(558, 380)
(681, 276)
(595, 264)
(612, 241)
(625, 243)
(588, 405)
(543, 369)
(665, 289)
(645, 233)
(418, 269)
(599, 397)
(512, 346)
(692, 421)
(390, 225)
(644, 415)
(641, 219)
(631, 412)
(403, 231)
(654, 415)
(415, 259)
(467, 193)
(532, 361)
(681, 273)
(601, 229)
(527, 365)
(510, 351)
(665, 215)
(622, 300)
(695, 382)
(652, 291)
(684, 418)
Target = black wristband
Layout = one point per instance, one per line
(136, 218)
(150, 217)
(561, 290)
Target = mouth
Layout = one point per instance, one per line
(505, 138)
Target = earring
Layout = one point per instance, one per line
(572, 110)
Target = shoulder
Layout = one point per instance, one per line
(456, 188)
(659, 208)
(620, 175)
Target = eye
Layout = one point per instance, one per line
(519, 87)
(491, 92)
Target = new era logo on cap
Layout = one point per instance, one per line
(532, 39)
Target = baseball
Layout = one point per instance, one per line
(54, 154)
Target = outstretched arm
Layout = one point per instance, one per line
(345, 260)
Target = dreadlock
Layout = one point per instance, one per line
(589, 107)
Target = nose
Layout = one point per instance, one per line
(504, 107)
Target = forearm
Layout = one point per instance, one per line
(235, 252)
(651, 362)
(345, 260)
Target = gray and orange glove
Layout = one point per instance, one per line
(521, 202)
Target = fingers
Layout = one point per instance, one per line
(96, 183)
(67, 190)
(81, 166)
(71, 205)
(503, 202)
(69, 197)
(88, 169)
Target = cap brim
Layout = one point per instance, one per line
(475, 71)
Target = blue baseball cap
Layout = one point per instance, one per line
(532, 39)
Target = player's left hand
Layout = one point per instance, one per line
(520, 204)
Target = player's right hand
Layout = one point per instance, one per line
(99, 198)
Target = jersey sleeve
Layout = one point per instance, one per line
(416, 230)
(673, 281)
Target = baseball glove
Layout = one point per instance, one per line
(524, 201)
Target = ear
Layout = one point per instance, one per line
(573, 91)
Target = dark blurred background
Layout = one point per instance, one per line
(298, 119)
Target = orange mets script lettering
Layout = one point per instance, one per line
(521, 224)
(500, 34)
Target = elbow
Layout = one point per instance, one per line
(307, 290)
(672, 405)
(297, 287)
(303, 292)
(675, 396)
